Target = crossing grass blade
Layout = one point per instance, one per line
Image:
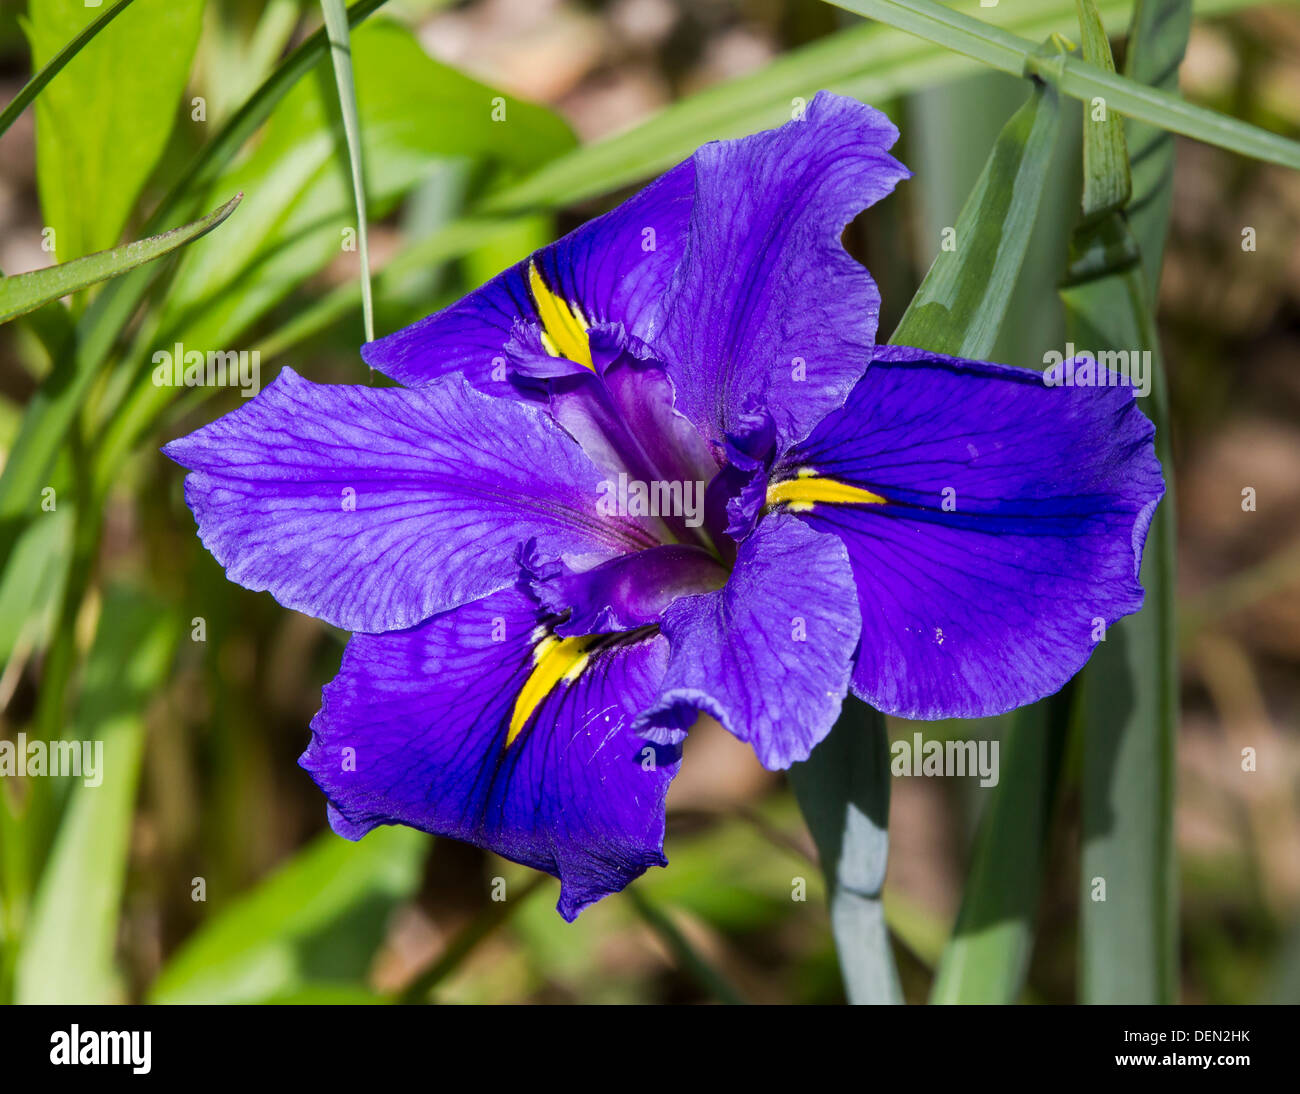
(1007, 52)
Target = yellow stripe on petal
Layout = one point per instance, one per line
(564, 327)
(554, 660)
(800, 494)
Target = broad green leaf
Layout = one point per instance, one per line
(1106, 182)
(24, 292)
(55, 64)
(843, 791)
(101, 127)
(67, 955)
(312, 926)
(1007, 52)
(336, 26)
(960, 305)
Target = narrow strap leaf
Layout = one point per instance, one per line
(1106, 182)
(336, 25)
(960, 305)
(24, 292)
(987, 959)
(843, 790)
(1157, 40)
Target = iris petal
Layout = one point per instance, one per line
(1010, 537)
(613, 269)
(374, 508)
(769, 655)
(767, 309)
(420, 727)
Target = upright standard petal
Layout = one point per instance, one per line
(770, 654)
(613, 269)
(767, 309)
(995, 525)
(374, 508)
(481, 725)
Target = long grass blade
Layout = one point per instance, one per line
(55, 65)
(336, 25)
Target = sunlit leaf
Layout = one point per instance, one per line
(80, 892)
(101, 126)
(24, 292)
(311, 926)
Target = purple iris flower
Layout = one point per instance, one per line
(647, 474)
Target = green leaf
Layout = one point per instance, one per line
(48, 416)
(987, 958)
(843, 791)
(32, 583)
(1128, 694)
(336, 26)
(101, 128)
(709, 978)
(299, 201)
(312, 926)
(1106, 182)
(1007, 52)
(960, 305)
(1129, 709)
(55, 64)
(1157, 40)
(22, 293)
(67, 955)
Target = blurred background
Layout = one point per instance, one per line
(230, 887)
